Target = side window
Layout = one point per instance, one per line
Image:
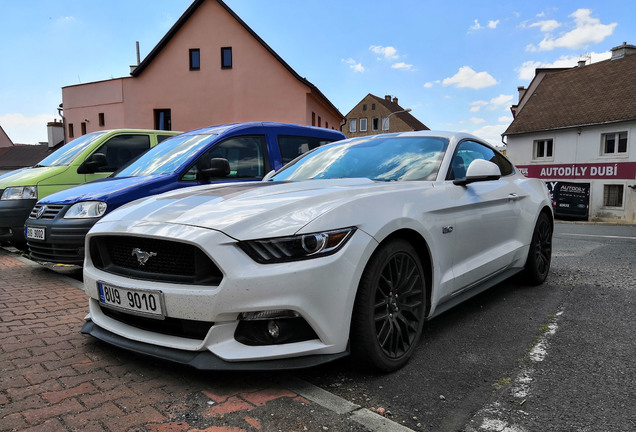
(121, 149)
(468, 151)
(246, 156)
(161, 138)
(293, 146)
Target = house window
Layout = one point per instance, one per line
(195, 59)
(364, 107)
(613, 195)
(327, 124)
(385, 123)
(83, 128)
(226, 58)
(543, 149)
(313, 119)
(613, 143)
(363, 125)
(372, 106)
(353, 125)
(163, 119)
(319, 121)
(101, 119)
(375, 123)
(71, 130)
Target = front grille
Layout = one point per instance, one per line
(170, 326)
(58, 253)
(167, 261)
(50, 211)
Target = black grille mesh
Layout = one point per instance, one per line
(169, 261)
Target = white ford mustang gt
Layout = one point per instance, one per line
(348, 249)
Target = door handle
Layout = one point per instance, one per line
(513, 197)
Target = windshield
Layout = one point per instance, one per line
(166, 157)
(392, 158)
(68, 152)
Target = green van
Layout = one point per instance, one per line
(90, 157)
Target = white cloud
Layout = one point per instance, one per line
(492, 24)
(357, 67)
(24, 129)
(587, 30)
(527, 69)
(477, 120)
(500, 101)
(505, 119)
(402, 65)
(476, 106)
(428, 85)
(491, 133)
(547, 26)
(389, 53)
(467, 77)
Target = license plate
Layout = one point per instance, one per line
(35, 233)
(138, 302)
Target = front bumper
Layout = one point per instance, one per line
(322, 291)
(13, 215)
(63, 239)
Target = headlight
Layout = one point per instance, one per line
(20, 192)
(298, 247)
(86, 209)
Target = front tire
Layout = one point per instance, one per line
(389, 310)
(540, 254)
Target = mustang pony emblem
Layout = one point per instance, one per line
(142, 257)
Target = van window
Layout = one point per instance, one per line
(245, 154)
(121, 149)
(293, 146)
(67, 153)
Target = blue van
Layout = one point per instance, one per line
(58, 223)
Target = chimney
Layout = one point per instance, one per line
(581, 63)
(133, 67)
(522, 92)
(387, 98)
(395, 100)
(622, 50)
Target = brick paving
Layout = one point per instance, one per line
(53, 378)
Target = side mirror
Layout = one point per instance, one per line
(218, 167)
(92, 164)
(479, 170)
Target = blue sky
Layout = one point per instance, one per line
(456, 64)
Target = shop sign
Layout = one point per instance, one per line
(616, 171)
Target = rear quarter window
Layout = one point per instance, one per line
(293, 146)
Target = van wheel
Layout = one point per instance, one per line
(389, 310)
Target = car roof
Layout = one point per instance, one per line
(219, 129)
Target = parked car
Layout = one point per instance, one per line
(57, 226)
(351, 247)
(89, 157)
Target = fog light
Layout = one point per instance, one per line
(273, 329)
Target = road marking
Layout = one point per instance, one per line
(596, 235)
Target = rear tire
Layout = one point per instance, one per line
(540, 253)
(389, 310)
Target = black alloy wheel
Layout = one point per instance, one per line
(540, 254)
(390, 307)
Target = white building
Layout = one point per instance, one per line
(578, 126)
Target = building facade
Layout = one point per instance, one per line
(576, 129)
(210, 68)
(375, 115)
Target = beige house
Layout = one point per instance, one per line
(210, 68)
(374, 115)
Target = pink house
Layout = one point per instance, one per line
(210, 68)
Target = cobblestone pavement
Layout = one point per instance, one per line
(55, 379)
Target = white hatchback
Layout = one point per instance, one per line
(347, 249)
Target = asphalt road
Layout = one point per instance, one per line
(558, 357)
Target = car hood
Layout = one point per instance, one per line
(29, 176)
(250, 210)
(101, 190)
